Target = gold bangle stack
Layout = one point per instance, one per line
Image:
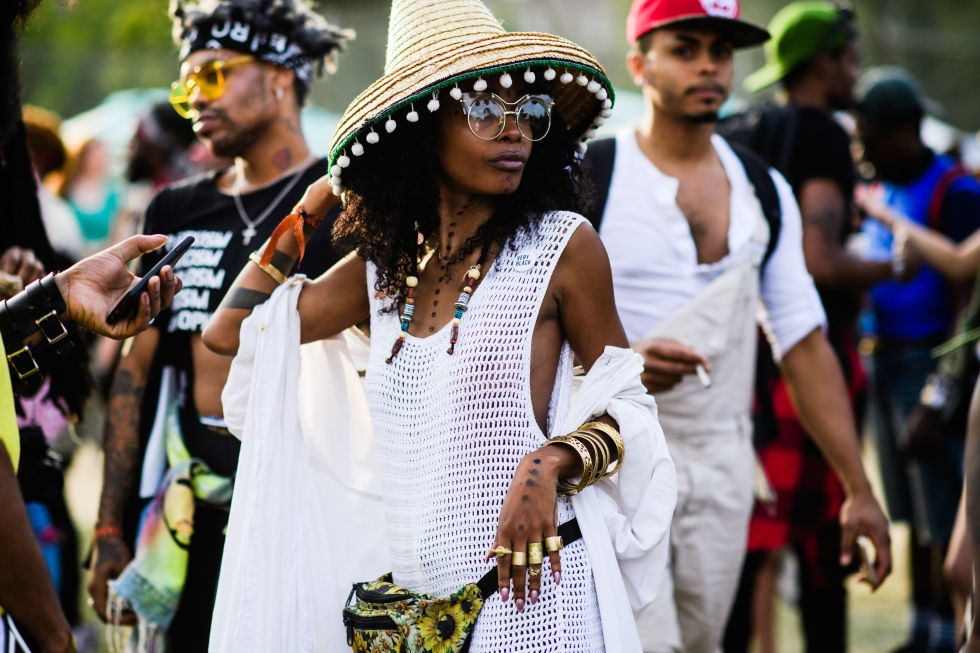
(590, 445)
(269, 269)
(588, 469)
(614, 435)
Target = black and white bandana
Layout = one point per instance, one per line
(241, 36)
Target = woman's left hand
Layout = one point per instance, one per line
(527, 519)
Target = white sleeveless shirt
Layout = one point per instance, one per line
(451, 430)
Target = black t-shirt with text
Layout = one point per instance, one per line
(219, 252)
(804, 144)
(197, 208)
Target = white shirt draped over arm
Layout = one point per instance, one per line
(306, 517)
(625, 520)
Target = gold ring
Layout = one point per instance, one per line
(535, 553)
(518, 559)
(534, 572)
(500, 551)
(554, 543)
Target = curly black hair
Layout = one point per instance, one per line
(386, 200)
(320, 40)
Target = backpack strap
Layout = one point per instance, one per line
(757, 170)
(954, 173)
(765, 423)
(600, 155)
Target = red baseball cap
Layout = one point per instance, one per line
(717, 15)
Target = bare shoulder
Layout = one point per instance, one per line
(584, 256)
(582, 287)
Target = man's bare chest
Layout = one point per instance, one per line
(705, 206)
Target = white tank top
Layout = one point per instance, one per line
(451, 430)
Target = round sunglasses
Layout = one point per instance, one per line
(487, 114)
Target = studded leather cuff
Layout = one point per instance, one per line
(36, 308)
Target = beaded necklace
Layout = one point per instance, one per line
(469, 283)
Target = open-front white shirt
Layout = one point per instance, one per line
(654, 257)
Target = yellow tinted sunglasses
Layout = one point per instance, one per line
(209, 78)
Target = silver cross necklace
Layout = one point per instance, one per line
(249, 232)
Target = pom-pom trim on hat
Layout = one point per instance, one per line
(587, 78)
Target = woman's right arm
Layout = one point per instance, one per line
(336, 300)
(956, 261)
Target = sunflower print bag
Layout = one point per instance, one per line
(382, 616)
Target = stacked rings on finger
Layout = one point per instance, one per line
(518, 559)
(553, 543)
(500, 551)
(535, 553)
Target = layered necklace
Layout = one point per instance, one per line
(249, 232)
(468, 285)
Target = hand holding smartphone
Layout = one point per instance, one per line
(130, 301)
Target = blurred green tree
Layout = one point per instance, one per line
(73, 57)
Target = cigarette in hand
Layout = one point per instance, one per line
(703, 375)
(866, 550)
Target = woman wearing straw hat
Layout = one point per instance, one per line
(459, 170)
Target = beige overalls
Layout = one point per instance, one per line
(709, 435)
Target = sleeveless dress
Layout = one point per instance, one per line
(450, 431)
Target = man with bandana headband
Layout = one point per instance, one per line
(246, 69)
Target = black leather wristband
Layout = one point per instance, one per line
(36, 308)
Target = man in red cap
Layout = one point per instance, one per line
(687, 223)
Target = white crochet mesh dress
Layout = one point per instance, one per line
(451, 430)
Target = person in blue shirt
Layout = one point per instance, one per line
(911, 317)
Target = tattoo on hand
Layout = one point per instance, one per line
(244, 298)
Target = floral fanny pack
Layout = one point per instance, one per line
(382, 616)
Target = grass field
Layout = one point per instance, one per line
(878, 623)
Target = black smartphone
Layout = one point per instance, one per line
(127, 305)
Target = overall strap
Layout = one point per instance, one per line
(569, 532)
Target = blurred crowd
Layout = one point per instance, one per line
(86, 205)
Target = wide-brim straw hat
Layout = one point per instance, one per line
(438, 44)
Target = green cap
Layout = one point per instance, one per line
(800, 31)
